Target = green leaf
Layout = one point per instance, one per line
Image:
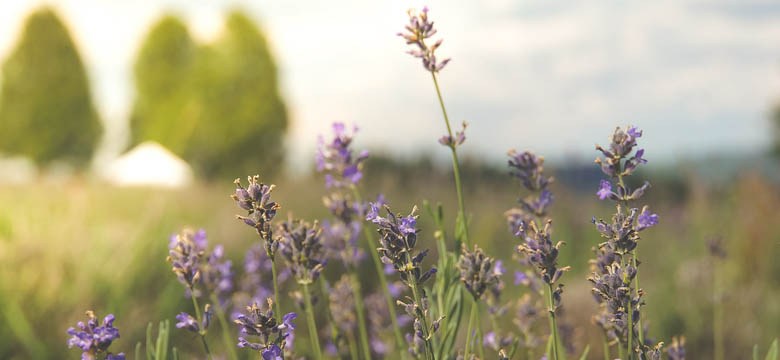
(585, 353)
(772, 353)
(755, 352)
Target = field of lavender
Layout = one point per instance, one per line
(361, 261)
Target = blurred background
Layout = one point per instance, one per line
(122, 121)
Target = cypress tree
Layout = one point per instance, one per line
(46, 109)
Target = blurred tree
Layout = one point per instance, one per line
(225, 115)
(164, 105)
(46, 109)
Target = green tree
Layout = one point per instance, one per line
(165, 100)
(218, 108)
(46, 109)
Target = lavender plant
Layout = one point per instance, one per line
(94, 338)
(615, 274)
(305, 249)
(398, 237)
(479, 273)
(300, 245)
(343, 172)
(529, 222)
(255, 199)
(418, 32)
(269, 337)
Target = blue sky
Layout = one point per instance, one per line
(553, 77)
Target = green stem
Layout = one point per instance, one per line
(630, 345)
(313, 336)
(353, 351)
(361, 318)
(607, 355)
(277, 305)
(717, 318)
(621, 352)
(636, 277)
(429, 354)
(480, 344)
(472, 315)
(198, 318)
(372, 246)
(636, 292)
(226, 333)
(553, 324)
(455, 165)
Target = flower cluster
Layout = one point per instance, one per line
(192, 265)
(186, 321)
(342, 167)
(676, 350)
(342, 305)
(398, 237)
(300, 245)
(271, 336)
(541, 253)
(94, 339)
(615, 267)
(613, 291)
(418, 30)
(479, 272)
(186, 252)
(256, 200)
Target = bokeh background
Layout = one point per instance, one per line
(231, 88)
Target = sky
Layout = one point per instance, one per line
(555, 77)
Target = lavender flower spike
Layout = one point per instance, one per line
(342, 167)
(93, 338)
(418, 30)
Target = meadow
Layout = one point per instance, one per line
(67, 247)
(372, 258)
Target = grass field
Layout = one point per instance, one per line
(69, 247)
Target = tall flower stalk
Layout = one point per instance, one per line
(479, 274)
(300, 246)
(419, 30)
(529, 222)
(449, 295)
(398, 238)
(255, 199)
(615, 273)
(343, 170)
(186, 255)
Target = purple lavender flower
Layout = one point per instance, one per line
(186, 321)
(676, 350)
(256, 200)
(270, 337)
(646, 219)
(218, 274)
(342, 167)
(454, 141)
(301, 247)
(186, 253)
(274, 352)
(419, 29)
(541, 253)
(93, 338)
(605, 190)
(478, 272)
(342, 305)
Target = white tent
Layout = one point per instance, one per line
(149, 164)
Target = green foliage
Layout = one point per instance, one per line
(164, 105)
(772, 354)
(46, 110)
(217, 105)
